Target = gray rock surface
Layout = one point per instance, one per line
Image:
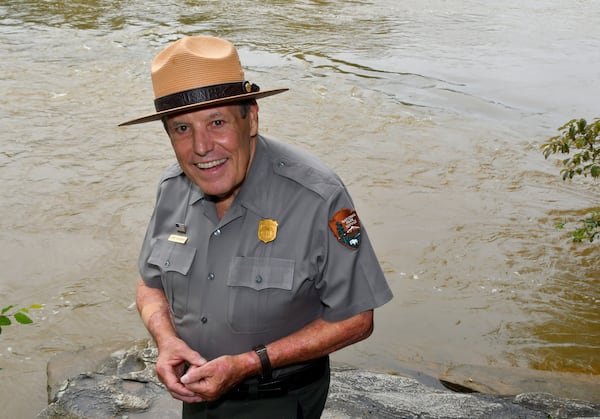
(124, 385)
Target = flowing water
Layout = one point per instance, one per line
(432, 112)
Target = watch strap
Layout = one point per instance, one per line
(265, 362)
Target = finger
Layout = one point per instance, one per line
(198, 386)
(196, 359)
(193, 374)
(181, 391)
(192, 357)
(207, 393)
(187, 399)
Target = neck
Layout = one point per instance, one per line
(223, 205)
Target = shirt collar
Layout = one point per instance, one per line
(254, 191)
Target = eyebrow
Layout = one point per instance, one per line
(215, 114)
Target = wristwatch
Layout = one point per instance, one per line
(261, 351)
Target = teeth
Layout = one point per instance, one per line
(210, 164)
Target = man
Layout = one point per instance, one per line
(255, 266)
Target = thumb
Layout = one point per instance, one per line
(193, 374)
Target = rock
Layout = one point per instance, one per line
(125, 385)
(362, 394)
(67, 365)
(557, 408)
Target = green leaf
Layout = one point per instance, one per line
(5, 321)
(23, 318)
(36, 306)
(5, 309)
(595, 171)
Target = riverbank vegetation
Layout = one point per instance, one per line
(580, 142)
(19, 315)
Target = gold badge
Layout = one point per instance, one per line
(267, 230)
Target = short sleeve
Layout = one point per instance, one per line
(352, 280)
(150, 273)
(171, 200)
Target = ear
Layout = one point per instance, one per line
(253, 116)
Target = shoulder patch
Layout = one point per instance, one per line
(345, 226)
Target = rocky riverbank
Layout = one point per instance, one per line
(95, 384)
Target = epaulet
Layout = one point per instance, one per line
(305, 169)
(173, 171)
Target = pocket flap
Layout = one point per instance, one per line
(261, 273)
(170, 256)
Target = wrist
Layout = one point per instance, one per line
(265, 363)
(165, 340)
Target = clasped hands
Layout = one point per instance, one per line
(203, 380)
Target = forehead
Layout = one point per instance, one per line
(232, 110)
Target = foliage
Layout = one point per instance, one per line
(590, 229)
(20, 315)
(581, 142)
(577, 134)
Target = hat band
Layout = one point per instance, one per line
(204, 94)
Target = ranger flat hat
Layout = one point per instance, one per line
(197, 72)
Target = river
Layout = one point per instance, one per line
(433, 113)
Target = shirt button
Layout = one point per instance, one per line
(167, 263)
(204, 320)
(281, 164)
(217, 232)
(211, 276)
(258, 279)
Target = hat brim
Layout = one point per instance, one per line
(201, 105)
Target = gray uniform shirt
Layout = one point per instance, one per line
(227, 289)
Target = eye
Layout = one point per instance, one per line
(218, 122)
(181, 129)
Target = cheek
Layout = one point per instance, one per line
(243, 160)
(181, 148)
(242, 164)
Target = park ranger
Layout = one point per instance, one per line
(255, 265)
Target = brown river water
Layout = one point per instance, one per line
(431, 111)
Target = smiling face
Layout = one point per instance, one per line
(215, 147)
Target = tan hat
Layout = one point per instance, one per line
(198, 72)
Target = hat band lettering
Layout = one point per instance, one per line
(204, 94)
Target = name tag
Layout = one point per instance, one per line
(178, 239)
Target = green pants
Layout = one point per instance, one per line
(304, 403)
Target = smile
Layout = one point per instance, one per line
(210, 164)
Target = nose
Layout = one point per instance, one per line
(202, 142)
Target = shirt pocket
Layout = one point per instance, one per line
(174, 261)
(260, 293)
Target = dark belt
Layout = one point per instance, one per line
(280, 386)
